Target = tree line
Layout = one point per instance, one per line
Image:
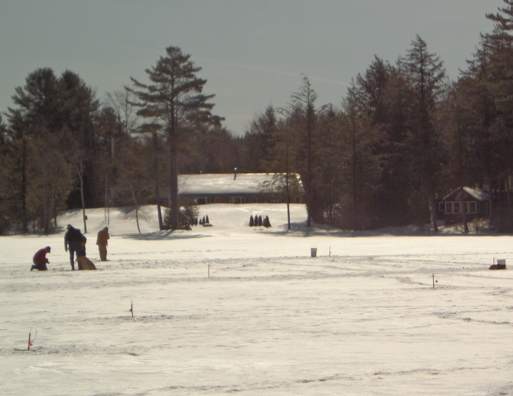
(402, 136)
(62, 148)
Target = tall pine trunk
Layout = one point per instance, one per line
(156, 174)
(136, 203)
(173, 173)
(106, 212)
(54, 209)
(82, 194)
(46, 201)
(432, 213)
(24, 217)
(173, 187)
(309, 127)
(288, 192)
(354, 173)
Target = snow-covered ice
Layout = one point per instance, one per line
(269, 321)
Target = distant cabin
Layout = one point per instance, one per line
(239, 188)
(464, 201)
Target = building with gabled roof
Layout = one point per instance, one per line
(239, 188)
(464, 201)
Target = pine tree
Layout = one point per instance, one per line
(260, 140)
(384, 96)
(77, 107)
(471, 113)
(174, 97)
(427, 76)
(251, 221)
(499, 53)
(284, 158)
(304, 111)
(34, 102)
(50, 113)
(6, 171)
(328, 171)
(50, 179)
(360, 167)
(372, 90)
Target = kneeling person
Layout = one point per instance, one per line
(40, 259)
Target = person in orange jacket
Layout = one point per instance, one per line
(102, 242)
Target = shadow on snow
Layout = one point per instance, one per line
(162, 236)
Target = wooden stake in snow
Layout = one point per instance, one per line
(434, 281)
(29, 342)
(132, 309)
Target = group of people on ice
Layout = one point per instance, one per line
(75, 243)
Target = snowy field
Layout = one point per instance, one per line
(360, 319)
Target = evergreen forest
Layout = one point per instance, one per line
(402, 135)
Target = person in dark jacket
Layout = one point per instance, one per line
(102, 242)
(75, 241)
(40, 259)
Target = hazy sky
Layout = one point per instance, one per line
(253, 52)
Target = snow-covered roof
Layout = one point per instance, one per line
(226, 183)
(475, 193)
(480, 195)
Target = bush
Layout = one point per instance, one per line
(187, 217)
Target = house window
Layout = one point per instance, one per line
(448, 207)
(469, 207)
(441, 206)
(456, 207)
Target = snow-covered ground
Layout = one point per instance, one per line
(360, 319)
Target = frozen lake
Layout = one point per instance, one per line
(360, 319)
